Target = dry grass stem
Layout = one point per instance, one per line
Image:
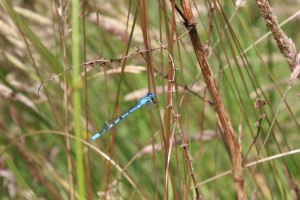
(184, 143)
(101, 62)
(224, 122)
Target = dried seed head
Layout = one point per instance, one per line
(259, 103)
(285, 44)
(296, 71)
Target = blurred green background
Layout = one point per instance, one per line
(40, 155)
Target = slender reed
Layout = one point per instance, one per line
(227, 133)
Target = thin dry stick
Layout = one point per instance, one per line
(102, 62)
(170, 106)
(297, 151)
(259, 103)
(172, 81)
(269, 132)
(187, 157)
(184, 145)
(227, 132)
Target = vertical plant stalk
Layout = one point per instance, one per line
(189, 160)
(184, 144)
(63, 16)
(76, 99)
(224, 122)
(285, 44)
(169, 109)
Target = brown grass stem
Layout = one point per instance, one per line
(224, 122)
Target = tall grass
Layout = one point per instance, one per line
(226, 131)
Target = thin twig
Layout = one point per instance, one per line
(102, 62)
(184, 144)
(171, 81)
(259, 103)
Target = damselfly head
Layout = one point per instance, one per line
(151, 95)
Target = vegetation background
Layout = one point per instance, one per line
(45, 148)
